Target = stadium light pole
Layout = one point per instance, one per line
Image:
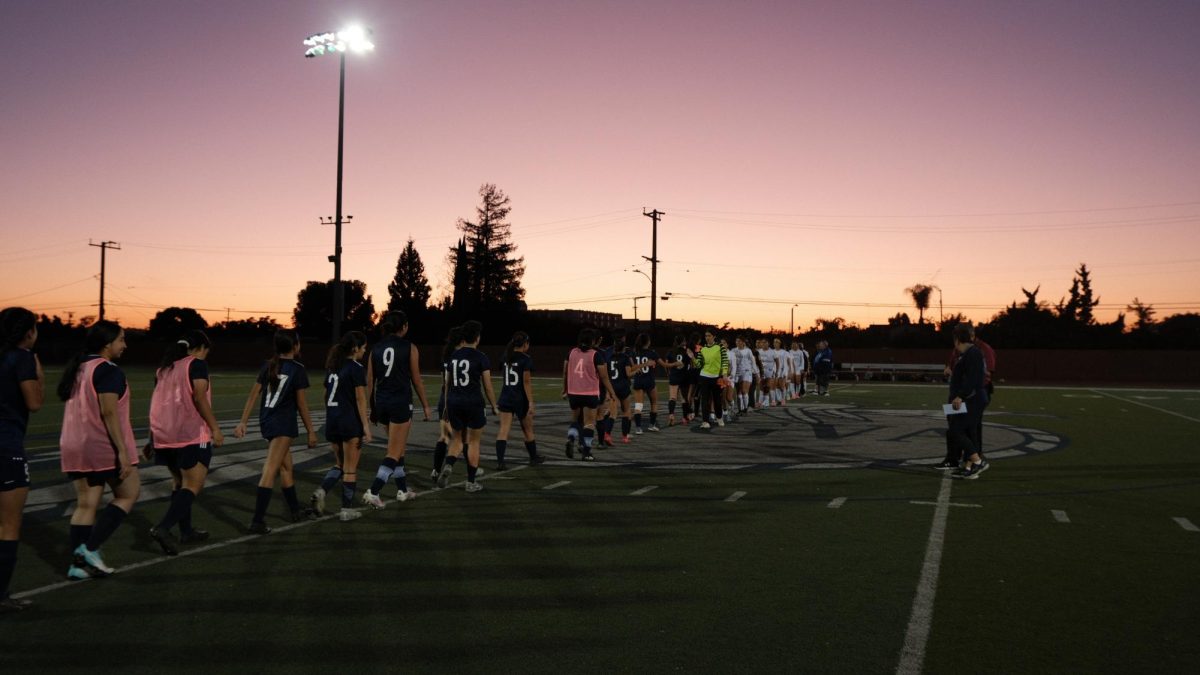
(793, 322)
(355, 39)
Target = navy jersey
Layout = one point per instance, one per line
(16, 366)
(617, 364)
(643, 378)
(513, 391)
(107, 378)
(678, 375)
(390, 366)
(341, 396)
(465, 377)
(277, 413)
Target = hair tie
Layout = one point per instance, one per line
(182, 342)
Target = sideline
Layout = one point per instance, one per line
(912, 656)
(1146, 405)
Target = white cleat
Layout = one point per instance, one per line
(317, 501)
(473, 487)
(372, 500)
(346, 515)
(405, 496)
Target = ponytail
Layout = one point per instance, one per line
(285, 343)
(452, 339)
(393, 322)
(343, 349)
(15, 324)
(99, 335)
(519, 339)
(193, 339)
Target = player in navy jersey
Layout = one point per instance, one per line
(183, 433)
(392, 373)
(22, 391)
(585, 376)
(470, 380)
(677, 363)
(454, 341)
(346, 424)
(621, 367)
(279, 389)
(694, 375)
(516, 399)
(644, 386)
(604, 416)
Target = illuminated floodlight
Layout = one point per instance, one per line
(352, 38)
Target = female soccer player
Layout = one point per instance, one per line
(392, 373)
(346, 424)
(446, 433)
(743, 376)
(620, 367)
(22, 391)
(516, 399)
(469, 368)
(183, 433)
(783, 373)
(799, 368)
(584, 373)
(644, 386)
(679, 361)
(97, 445)
(713, 364)
(280, 391)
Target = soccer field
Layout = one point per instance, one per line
(810, 538)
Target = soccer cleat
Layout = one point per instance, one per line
(637, 431)
(406, 496)
(346, 515)
(257, 527)
(608, 440)
(444, 477)
(433, 475)
(301, 515)
(164, 541)
(537, 459)
(653, 428)
(77, 573)
(194, 536)
(92, 559)
(479, 472)
(588, 457)
(472, 486)
(372, 500)
(11, 604)
(625, 439)
(720, 423)
(705, 425)
(317, 501)
(946, 465)
(570, 447)
(501, 466)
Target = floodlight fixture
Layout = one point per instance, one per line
(352, 38)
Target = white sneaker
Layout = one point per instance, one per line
(317, 501)
(405, 496)
(92, 559)
(372, 500)
(346, 515)
(705, 425)
(473, 487)
(720, 423)
(637, 431)
(652, 428)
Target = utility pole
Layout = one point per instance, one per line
(654, 216)
(103, 246)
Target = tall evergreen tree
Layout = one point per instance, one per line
(487, 272)
(313, 315)
(409, 290)
(1086, 303)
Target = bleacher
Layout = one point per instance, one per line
(920, 372)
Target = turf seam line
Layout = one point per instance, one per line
(912, 655)
(1186, 524)
(641, 491)
(555, 486)
(1060, 516)
(735, 496)
(1147, 405)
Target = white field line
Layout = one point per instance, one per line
(641, 491)
(1060, 516)
(912, 655)
(735, 496)
(275, 531)
(1186, 524)
(836, 503)
(1147, 405)
(968, 506)
(555, 486)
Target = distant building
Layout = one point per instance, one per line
(581, 317)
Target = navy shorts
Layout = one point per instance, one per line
(621, 392)
(96, 478)
(276, 428)
(468, 417)
(577, 401)
(389, 412)
(14, 470)
(644, 385)
(182, 459)
(518, 409)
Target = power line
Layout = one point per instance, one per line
(949, 215)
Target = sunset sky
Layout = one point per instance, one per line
(824, 154)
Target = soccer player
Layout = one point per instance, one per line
(799, 368)
(279, 390)
(469, 368)
(713, 364)
(516, 399)
(22, 391)
(678, 362)
(446, 434)
(743, 373)
(766, 357)
(783, 373)
(584, 373)
(97, 445)
(644, 386)
(347, 427)
(823, 367)
(183, 433)
(620, 367)
(392, 373)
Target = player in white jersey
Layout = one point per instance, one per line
(767, 363)
(784, 374)
(743, 374)
(799, 368)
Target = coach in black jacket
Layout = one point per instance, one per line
(967, 386)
